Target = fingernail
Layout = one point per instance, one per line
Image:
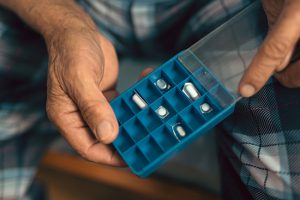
(247, 90)
(104, 129)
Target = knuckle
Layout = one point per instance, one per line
(275, 51)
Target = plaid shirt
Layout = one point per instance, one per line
(259, 148)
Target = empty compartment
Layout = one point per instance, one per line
(163, 104)
(207, 107)
(192, 117)
(175, 71)
(150, 148)
(136, 159)
(177, 99)
(123, 141)
(121, 110)
(222, 96)
(135, 129)
(127, 96)
(205, 78)
(161, 81)
(179, 128)
(148, 91)
(149, 119)
(196, 88)
(165, 138)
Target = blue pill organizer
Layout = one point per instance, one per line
(188, 95)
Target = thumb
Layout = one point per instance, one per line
(96, 112)
(273, 54)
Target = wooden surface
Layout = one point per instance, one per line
(153, 188)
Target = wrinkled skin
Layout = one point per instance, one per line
(275, 54)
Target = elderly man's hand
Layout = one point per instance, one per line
(82, 75)
(276, 51)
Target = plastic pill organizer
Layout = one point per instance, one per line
(188, 95)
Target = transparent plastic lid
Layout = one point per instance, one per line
(227, 51)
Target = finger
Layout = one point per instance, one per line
(83, 141)
(107, 156)
(290, 76)
(273, 53)
(145, 72)
(95, 108)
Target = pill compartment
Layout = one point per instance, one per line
(136, 159)
(122, 110)
(176, 121)
(192, 117)
(175, 71)
(161, 75)
(123, 141)
(135, 129)
(149, 119)
(205, 78)
(195, 85)
(165, 138)
(127, 96)
(166, 104)
(177, 99)
(221, 96)
(147, 91)
(150, 148)
(214, 66)
(215, 107)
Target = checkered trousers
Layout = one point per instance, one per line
(261, 146)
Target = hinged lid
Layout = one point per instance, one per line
(227, 51)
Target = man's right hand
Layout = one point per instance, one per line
(276, 51)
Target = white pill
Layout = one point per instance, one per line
(161, 84)
(190, 90)
(205, 108)
(179, 129)
(139, 101)
(162, 112)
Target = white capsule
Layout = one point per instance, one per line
(190, 91)
(162, 112)
(139, 101)
(205, 108)
(181, 132)
(162, 84)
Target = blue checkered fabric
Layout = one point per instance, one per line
(158, 26)
(259, 144)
